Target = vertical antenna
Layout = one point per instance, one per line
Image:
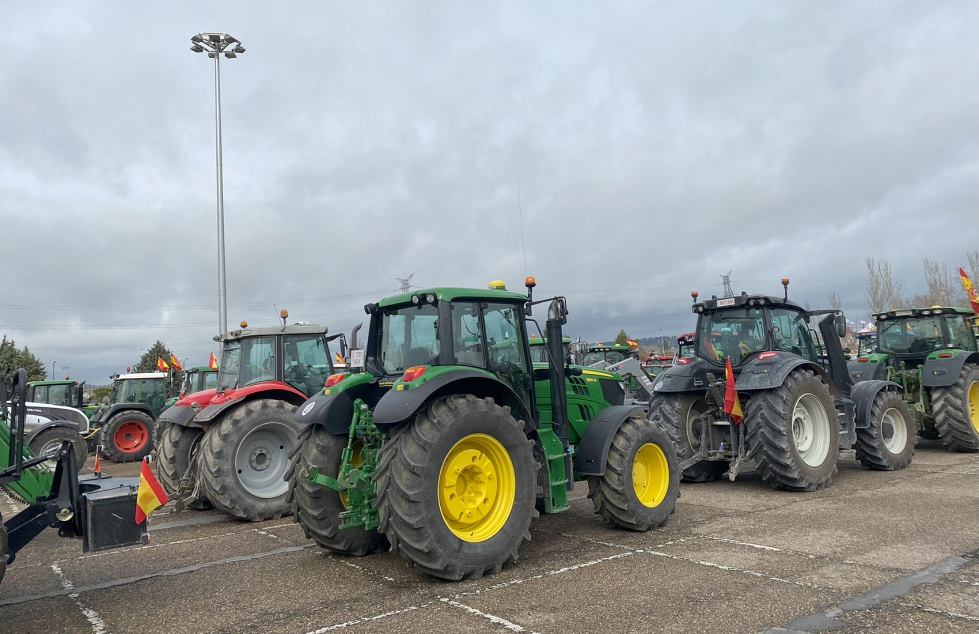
(523, 243)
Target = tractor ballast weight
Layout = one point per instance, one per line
(443, 408)
(798, 406)
(99, 510)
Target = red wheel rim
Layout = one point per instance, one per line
(131, 436)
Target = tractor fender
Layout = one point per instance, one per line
(865, 371)
(863, 395)
(122, 407)
(48, 425)
(76, 417)
(944, 372)
(182, 415)
(765, 374)
(592, 452)
(684, 378)
(400, 405)
(211, 412)
(330, 411)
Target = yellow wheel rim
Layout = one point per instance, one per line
(477, 488)
(973, 404)
(356, 460)
(650, 475)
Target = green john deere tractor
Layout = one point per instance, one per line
(932, 353)
(100, 510)
(800, 407)
(439, 443)
(126, 424)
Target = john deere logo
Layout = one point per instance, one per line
(309, 408)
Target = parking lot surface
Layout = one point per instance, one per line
(874, 552)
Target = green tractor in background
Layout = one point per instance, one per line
(932, 353)
(600, 353)
(126, 423)
(64, 392)
(197, 379)
(439, 442)
(100, 510)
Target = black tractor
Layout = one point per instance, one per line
(800, 406)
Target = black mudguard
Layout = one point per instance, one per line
(182, 415)
(592, 452)
(332, 411)
(122, 407)
(866, 371)
(945, 372)
(765, 374)
(863, 395)
(687, 377)
(48, 425)
(211, 412)
(400, 405)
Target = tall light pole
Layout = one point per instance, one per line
(53, 361)
(217, 44)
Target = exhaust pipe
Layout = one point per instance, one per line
(559, 396)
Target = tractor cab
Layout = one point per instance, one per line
(866, 344)
(606, 355)
(199, 379)
(66, 393)
(538, 349)
(910, 336)
(147, 388)
(686, 347)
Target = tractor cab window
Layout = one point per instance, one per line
(210, 380)
(467, 335)
(959, 333)
(503, 335)
(189, 385)
(732, 334)
(592, 357)
(537, 352)
(306, 362)
(59, 395)
(127, 391)
(910, 335)
(409, 337)
(614, 356)
(790, 332)
(230, 363)
(40, 394)
(257, 360)
(152, 394)
(866, 345)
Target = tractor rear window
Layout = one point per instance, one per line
(959, 333)
(127, 391)
(732, 334)
(210, 380)
(911, 335)
(409, 337)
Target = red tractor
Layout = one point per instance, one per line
(229, 447)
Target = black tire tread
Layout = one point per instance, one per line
(952, 412)
(66, 433)
(613, 495)
(175, 442)
(109, 449)
(870, 448)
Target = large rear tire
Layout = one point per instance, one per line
(178, 449)
(888, 443)
(678, 414)
(244, 459)
(127, 436)
(50, 440)
(792, 433)
(317, 508)
(956, 409)
(642, 481)
(456, 488)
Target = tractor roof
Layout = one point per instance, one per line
(537, 341)
(738, 301)
(247, 332)
(200, 368)
(140, 375)
(450, 294)
(53, 382)
(612, 346)
(923, 312)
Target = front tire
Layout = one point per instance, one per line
(641, 482)
(127, 436)
(178, 449)
(244, 459)
(50, 440)
(888, 443)
(456, 488)
(956, 409)
(792, 433)
(678, 413)
(317, 508)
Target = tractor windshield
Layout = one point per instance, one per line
(59, 395)
(960, 333)
(230, 360)
(127, 392)
(731, 334)
(866, 344)
(210, 380)
(409, 337)
(614, 356)
(910, 335)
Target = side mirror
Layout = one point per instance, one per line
(841, 326)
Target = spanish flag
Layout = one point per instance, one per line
(212, 362)
(175, 364)
(731, 404)
(161, 365)
(970, 290)
(337, 358)
(149, 495)
(632, 343)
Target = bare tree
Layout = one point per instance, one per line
(942, 286)
(883, 292)
(835, 302)
(973, 265)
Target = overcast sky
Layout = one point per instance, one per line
(656, 145)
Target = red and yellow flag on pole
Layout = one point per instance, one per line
(161, 365)
(732, 405)
(175, 364)
(337, 358)
(149, 495)
(212, 362)
(970, 290)
(632, 343)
